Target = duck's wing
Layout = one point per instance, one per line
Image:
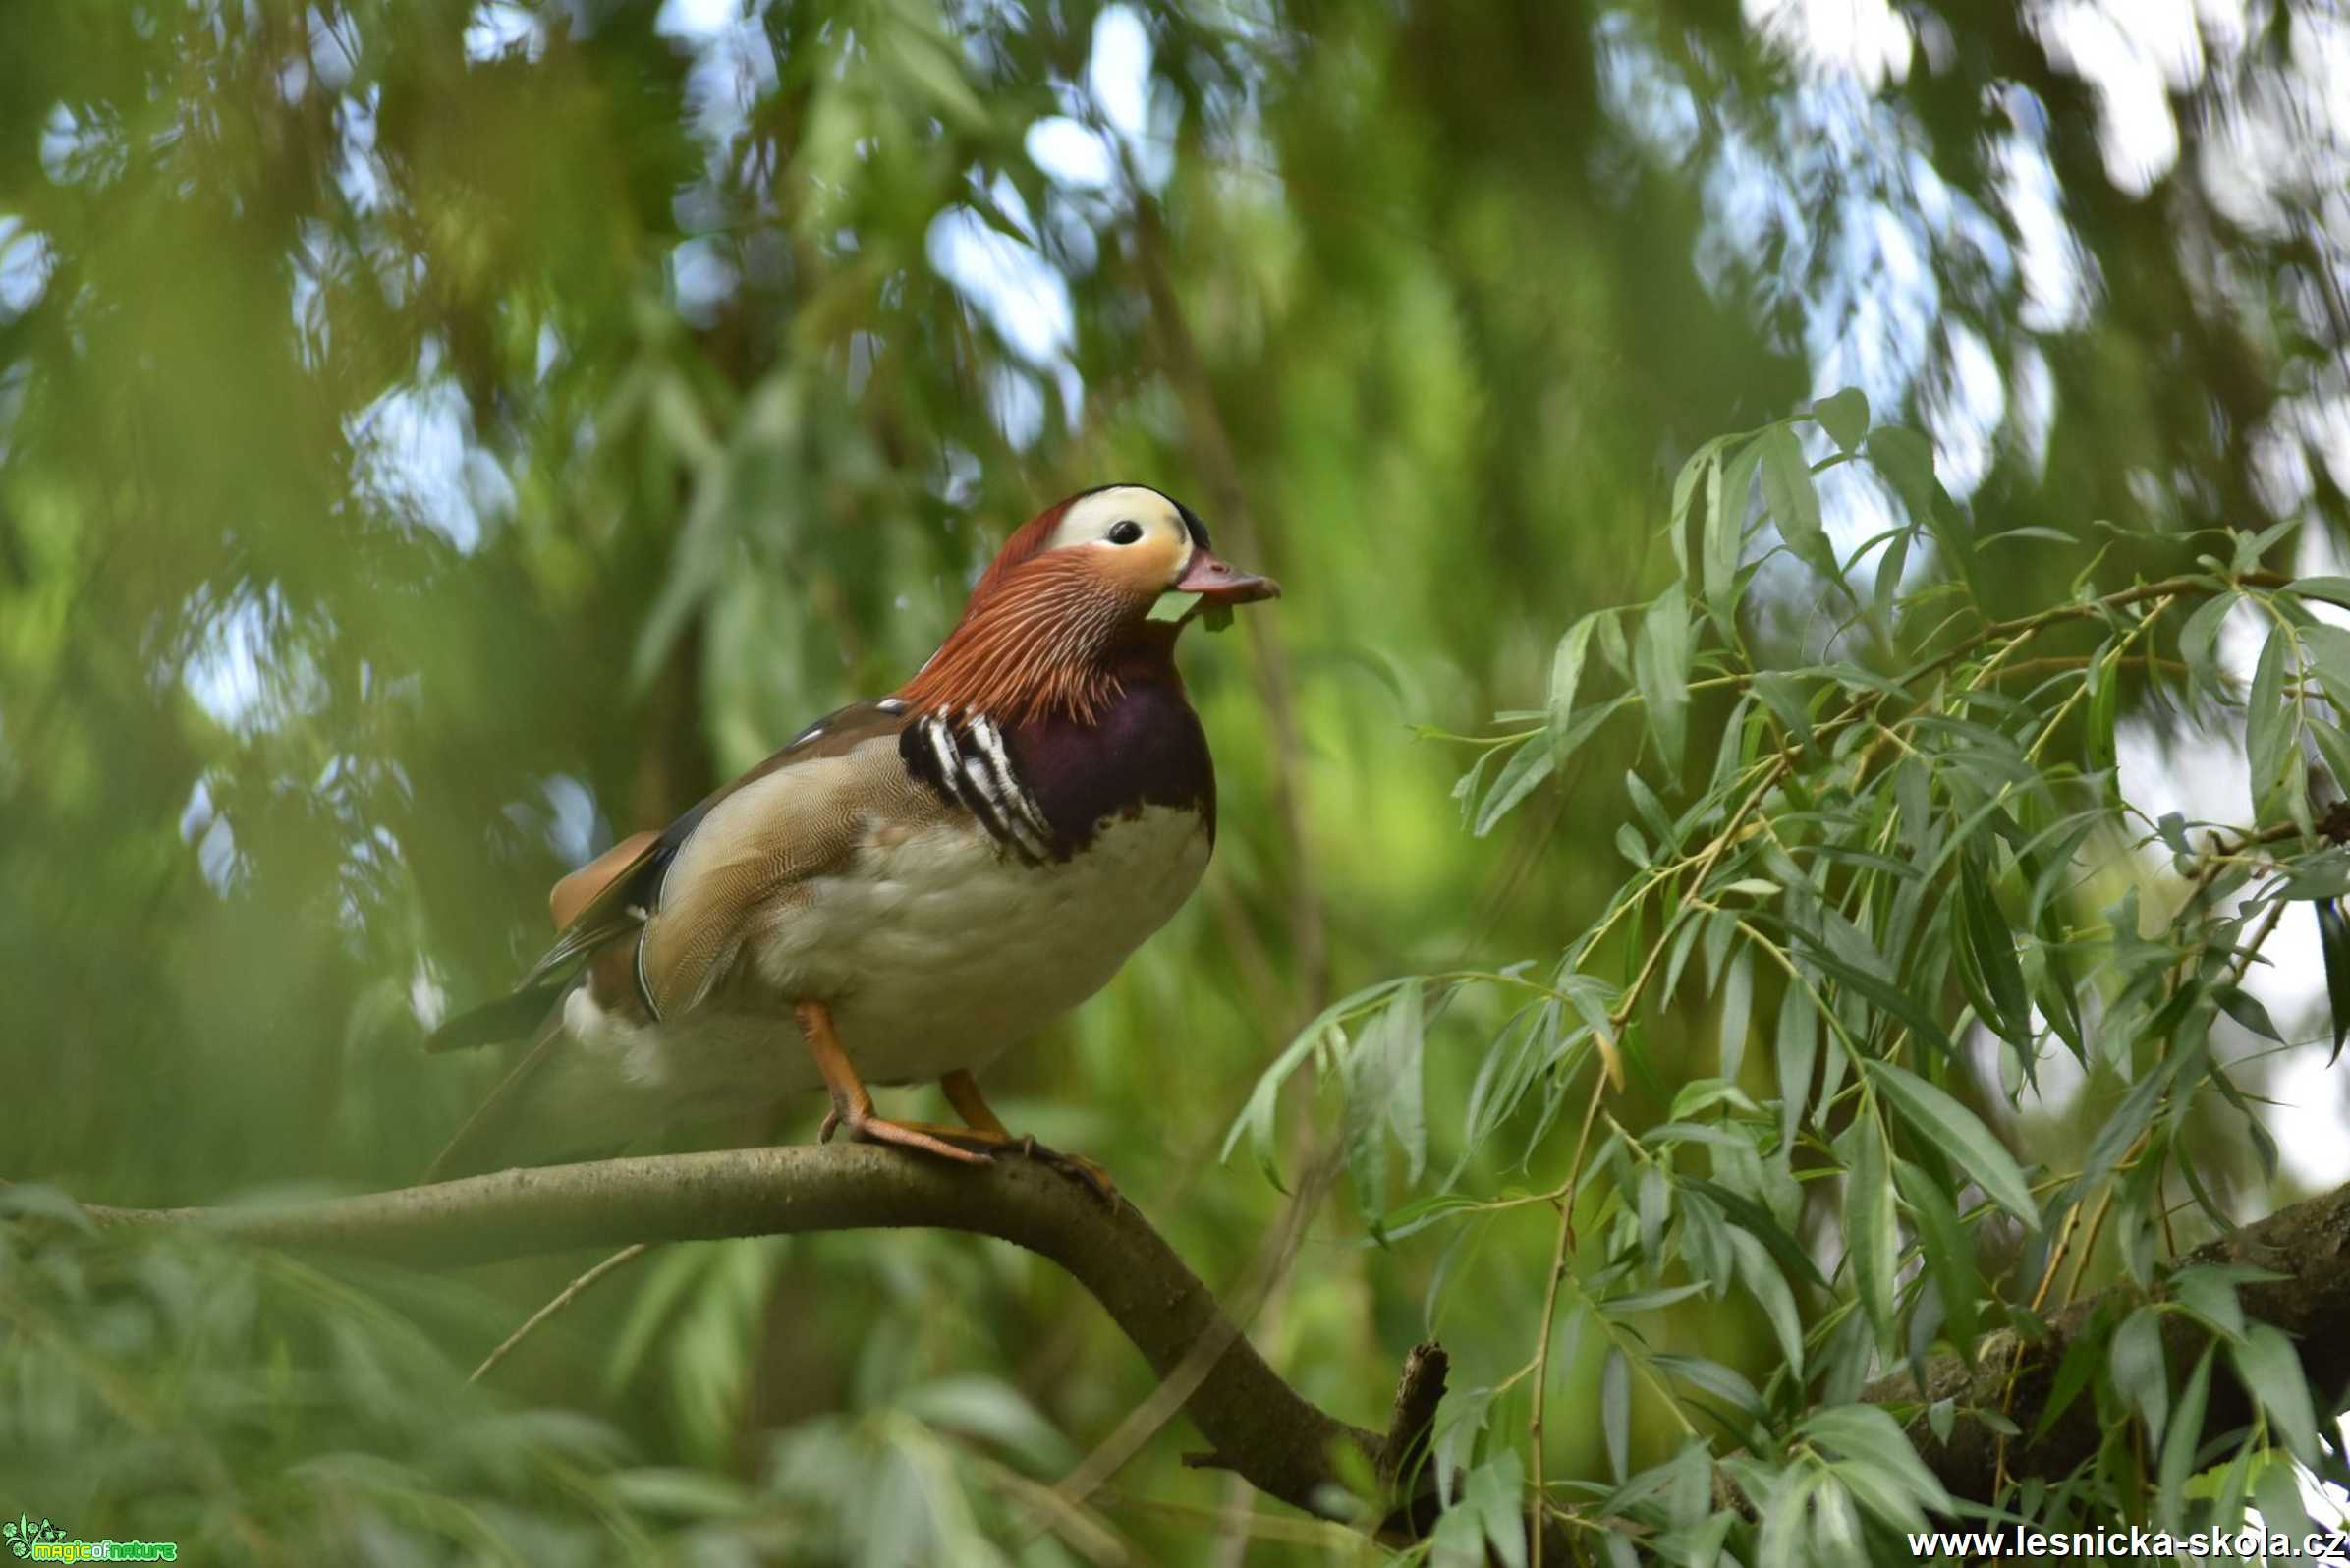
(613, 897)
(656, 922)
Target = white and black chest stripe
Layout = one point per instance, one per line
(965, 760)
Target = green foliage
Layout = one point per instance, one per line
(247, 1406)
(1908, 841)
(169, 1390)
(439, 439)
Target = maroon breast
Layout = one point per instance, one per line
(1146, 749)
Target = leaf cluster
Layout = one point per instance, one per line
(1910, 875)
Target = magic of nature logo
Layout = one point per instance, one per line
(24, 1533)
(42, 1541)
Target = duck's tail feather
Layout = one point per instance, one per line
(510, 1017)
(528, 1118)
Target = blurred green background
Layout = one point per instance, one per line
(439, 439)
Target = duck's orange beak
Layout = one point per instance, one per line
(1218, 581)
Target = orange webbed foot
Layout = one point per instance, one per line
(963, 1092)
(958, 1144)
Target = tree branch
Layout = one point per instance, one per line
(2307, 1243)
(1280, 1442)
(1260, 1426)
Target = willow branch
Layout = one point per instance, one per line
(2306, 1245)
(569, 1294)
(1260, 1426)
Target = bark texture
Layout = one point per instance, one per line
(2308, 1243)
(1260, 1426)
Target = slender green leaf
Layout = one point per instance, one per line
(1871, 1242)
(1794, 500)
(2246, 1009)
(1797, 1049)
(2333, 941)
(1880, 1493)
(1566, 673)
(1694, 494)
(1887, 997)
(1836, 1540)
(2268, 734)
(1906, 460)
(1785, 1540)
(1615, 1409)
(1867, 1432)
(1661, 668)
(1948, 1252)
(2276, 1493)
(1844, 416)
(1737, 1008)
(1655, 1205)
(1713, 1379)
(2265, 1359)
(1496, 1493)
(2028, 531)
(2334, 748)
(1363, 1124)
(2198, 642)
(2250, 547)
(1785, 697)
(1458, 1542)
(2084, 1359)
(2134, 1115)
(1763, 1281)
(2098, 743)
(2141, 1374)
(1647, 1301)
(1402, 1037)
(1959, 1135)
(1991, 944)
(2210, 1295)
(1526, 767)
(2185, 1436)
(1723, 539)
(1892, 566)
(2326, 650)
(1756, 1220)
(2330, 589)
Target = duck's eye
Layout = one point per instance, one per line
(1125, 533)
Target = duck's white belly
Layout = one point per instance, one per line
(935, 952)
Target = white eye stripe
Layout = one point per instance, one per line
(1091, 519)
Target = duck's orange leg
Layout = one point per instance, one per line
(852, 1103)
(963, 1092)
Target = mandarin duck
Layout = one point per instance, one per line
(906, 889)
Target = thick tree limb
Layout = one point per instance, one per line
(1262, 1429)
(1258, 1426)
(2308, 1243)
